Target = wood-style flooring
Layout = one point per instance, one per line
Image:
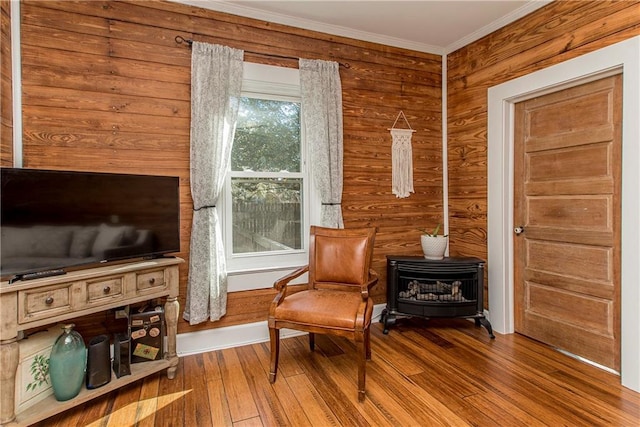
(441, 372)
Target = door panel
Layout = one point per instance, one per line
(581, 262)
(557, 304)
(569, 163)
(584, 212)
(567, 198)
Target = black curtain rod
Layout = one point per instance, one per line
(180, 40)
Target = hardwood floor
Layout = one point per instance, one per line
(444, 372)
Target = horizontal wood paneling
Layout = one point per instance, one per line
(557, 32)
(107, 88)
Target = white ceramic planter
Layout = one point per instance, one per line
(434, 247)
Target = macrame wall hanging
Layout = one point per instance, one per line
(401, 159)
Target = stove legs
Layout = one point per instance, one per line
(481, 320)
(388, 320)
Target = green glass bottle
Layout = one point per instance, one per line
(67, 364)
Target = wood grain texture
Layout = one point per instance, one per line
(6, 81)
(107, 88)
(441, 372)
(557, 32)
(566, 164)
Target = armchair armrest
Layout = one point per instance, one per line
(364, 289)
(284, 281)
(281, 284)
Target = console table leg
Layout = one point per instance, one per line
(9, 357)
(171, 309)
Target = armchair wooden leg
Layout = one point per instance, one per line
(367, 342)
(362, 365)
(274, 336)
(312, 341)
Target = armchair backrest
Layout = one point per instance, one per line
(340, 257)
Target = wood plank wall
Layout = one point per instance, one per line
(106, 88)
(555, 33)
(6, 109)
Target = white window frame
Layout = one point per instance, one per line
(259, 270)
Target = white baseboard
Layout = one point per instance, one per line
(236, 336)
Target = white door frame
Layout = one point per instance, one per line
(621, 57)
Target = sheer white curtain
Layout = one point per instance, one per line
(216, 81)
(321, 96)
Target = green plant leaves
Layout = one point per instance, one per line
(39, 372)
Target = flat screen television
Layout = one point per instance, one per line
(56, 220)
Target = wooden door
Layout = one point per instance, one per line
(567, 199)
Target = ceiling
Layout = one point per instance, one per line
(433, 26)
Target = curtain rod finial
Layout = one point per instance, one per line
(180, 40)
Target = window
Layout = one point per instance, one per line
(267, 199)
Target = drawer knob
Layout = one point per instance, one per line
(152, 280)
(106, 289)
(49, 301)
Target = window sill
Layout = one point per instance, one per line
(259, 278)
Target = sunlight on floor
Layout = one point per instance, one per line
(137, 411)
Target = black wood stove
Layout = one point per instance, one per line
(450, 287)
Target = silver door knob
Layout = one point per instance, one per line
(518, 230)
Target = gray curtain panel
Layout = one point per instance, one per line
(321, 93)
(216, 81)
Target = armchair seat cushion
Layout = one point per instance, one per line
(318, 308)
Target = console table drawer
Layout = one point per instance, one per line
(103, 290)
(151, 280)
(44, 302)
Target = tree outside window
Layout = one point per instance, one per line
(266, 177)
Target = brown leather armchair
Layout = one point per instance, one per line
(337, 298)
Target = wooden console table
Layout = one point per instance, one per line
(40, 302)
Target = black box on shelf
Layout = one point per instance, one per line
(146, 334)
(121, 355)
(98, 362)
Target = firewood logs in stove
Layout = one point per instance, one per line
(438, 291)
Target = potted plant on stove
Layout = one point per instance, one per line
(433, 244)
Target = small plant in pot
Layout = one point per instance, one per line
(433, 245)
